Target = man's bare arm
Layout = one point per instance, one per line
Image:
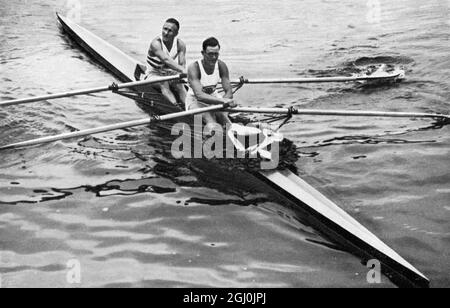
(156, 49)
(225, 76)
(182, 53)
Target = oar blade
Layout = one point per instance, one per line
(379, 75)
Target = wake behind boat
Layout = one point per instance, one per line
(284, 186)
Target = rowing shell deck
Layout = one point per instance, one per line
(290, 190)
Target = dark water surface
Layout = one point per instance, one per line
(116, 205)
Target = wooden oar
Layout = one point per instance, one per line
(351, 113)
(112, 87)
(398, 75)
(112, 127)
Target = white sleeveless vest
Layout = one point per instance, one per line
(209, 82)
(155, 62)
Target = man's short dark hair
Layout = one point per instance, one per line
(175, 22)
(210, 42)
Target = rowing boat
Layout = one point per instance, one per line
(283, 185)
(289, 189)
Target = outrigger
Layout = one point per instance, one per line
(284, 185)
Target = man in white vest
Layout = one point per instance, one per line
(204, 76)
(167, 57)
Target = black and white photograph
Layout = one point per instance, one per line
(225, 149)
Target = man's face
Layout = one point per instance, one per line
(169, 31)
(211, 55)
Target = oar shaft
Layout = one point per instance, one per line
(112, 127)
(372, 114)
(81, 133)
(51, 96)
(90, 91)
(339, 113)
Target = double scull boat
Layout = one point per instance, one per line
(288, 189)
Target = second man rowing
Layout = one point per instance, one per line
(204, 76)
(167, 57)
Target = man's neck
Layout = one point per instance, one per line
(168, 43)
(208, 67)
